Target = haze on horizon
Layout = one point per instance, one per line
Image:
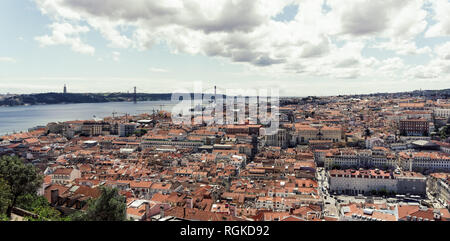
(302, 47)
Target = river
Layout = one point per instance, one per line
(21, 118)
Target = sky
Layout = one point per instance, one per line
(300, 47)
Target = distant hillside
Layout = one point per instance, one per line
(60, 98)
(427, 94)
(73, 98)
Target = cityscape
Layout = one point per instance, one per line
(382, 157)
(229, 110)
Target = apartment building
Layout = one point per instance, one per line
(279, 139)
(331, 133)
(305, 133)
(414, 127)
(378, 157)
(65, 176)
(424, 161)
(438, 185)
(364, 182)
(442, 113)
(127, 129)
(93, 128)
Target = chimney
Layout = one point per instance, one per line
(54, 196)
(233, 210)
(437, 216)
(161, 211)
(147, 210)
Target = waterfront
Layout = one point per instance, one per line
(21, 118)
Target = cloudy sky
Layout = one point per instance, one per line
(302, 47)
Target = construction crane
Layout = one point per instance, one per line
(115, 113)
(160, 109)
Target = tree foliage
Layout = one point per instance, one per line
(5, 196)
(3, 217)
(21, 178)
(444, 132)
(110, 206)
(39, 206)
(31, 201)
(140, 132)
(367, 132)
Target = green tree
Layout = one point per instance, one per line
(367, 132)
(391, 193)
(47, 213)
(110, 206)
(31, 201)
(5, 196)
(140, 132)
(403, 133)
(382, 192)
(39, 206)
(444, 132)
(336, 167)
(22, 178)
(3, 217)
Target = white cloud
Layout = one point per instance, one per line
(67, 34)
(110, 32)
(392, 65)
(442, 17)
(116, 56)
(8, 59)
(403, 47)
(424, 72)
(443, 51)
(314, 43)
(382, 18)
(437, 69)
(158, 70)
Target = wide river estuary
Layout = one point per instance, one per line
(21, 118)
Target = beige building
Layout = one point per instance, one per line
(424, 161)
(379, 157)
(92, 128)
(438, 185)
(279, 139)
(331, 133)
(442, 113)
(305, 133)
(65, 176)
(364, 182)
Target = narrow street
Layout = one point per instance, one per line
(330, 208)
